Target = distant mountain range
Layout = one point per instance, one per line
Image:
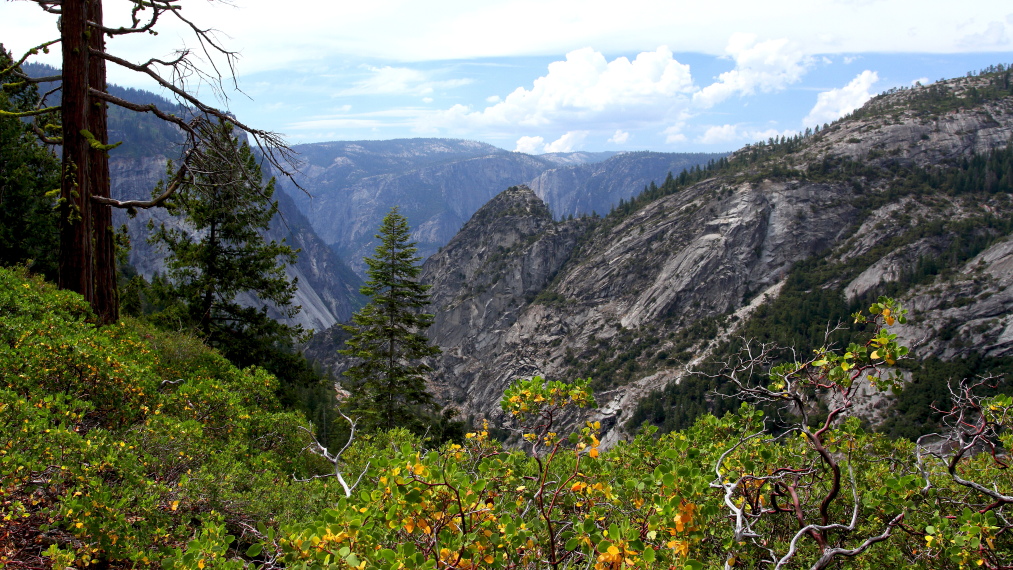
(439, 183)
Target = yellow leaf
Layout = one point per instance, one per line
(874, 355)
(593, 453)
(200, 564)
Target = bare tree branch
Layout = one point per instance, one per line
(335, 458)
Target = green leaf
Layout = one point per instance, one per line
(255, 549)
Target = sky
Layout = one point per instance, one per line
(558, 75)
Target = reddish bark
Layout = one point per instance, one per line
(106, 299)
(77, 258)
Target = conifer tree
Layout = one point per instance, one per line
(220, 253)
(28, 174)
(86, 262)
(387, 382)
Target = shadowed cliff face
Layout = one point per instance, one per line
(436, 199)
(327, 291)
(483, 279)
(597, 187)
(516, 294)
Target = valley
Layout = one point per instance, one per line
(437, 353)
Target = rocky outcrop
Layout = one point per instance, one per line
(506, 254)
(699, 253)
(971, 312)
(907, 128)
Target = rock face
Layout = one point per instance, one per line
(701, 252)
(507, 253)
(970, 313)
(903, 128)
(437, 198)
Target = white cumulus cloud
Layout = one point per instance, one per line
(620, 137)
(727, 134)
(766, 66)
(568, 142)
(834, 104)
(530, 145)
(994, 36)
(673, 134)
(585, 87)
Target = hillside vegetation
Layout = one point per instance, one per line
(116, 443)
(123, 447)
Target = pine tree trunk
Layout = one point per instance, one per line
(76, 247)
(106, 300)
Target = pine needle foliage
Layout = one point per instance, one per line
(218, 253)
(28, 172)
(387, 382)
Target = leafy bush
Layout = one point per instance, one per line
(122, 446)
(118, 443)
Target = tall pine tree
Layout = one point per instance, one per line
(219, 253)
(387, 382)
(28, 173)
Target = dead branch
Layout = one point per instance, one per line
(335, 458)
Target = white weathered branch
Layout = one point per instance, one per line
(335, 458)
